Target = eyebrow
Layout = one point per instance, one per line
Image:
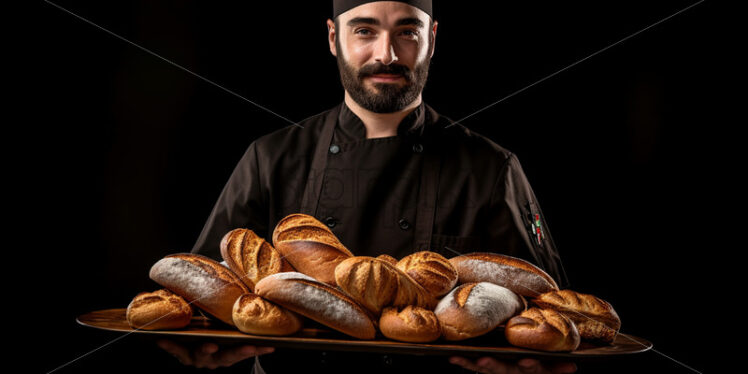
(373, 21)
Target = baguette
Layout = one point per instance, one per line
(513, 273)
(542, 329)
(201, 281)
(595, 318)
(158, 310)
(251, 257)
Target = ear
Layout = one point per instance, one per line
(331, 35)
(433, 44)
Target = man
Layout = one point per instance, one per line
(386, 173)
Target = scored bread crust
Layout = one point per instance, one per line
(254, 315)
(158, 310)
(410, 324)
(201, 281)
(376, 283)
(513, 273)
(594, 317)
(473, 309)
(542, 329)
(431, 270)
(251, 257)
(309, 246)
(318, 301)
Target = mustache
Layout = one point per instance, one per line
(380, 68)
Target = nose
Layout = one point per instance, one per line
(385, 50)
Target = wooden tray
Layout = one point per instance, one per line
(321, 338)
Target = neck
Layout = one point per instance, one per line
(380, 125)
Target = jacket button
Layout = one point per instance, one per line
(331, 222)
(387, 360)
(404, 224)
(418, 148)
(334, 149)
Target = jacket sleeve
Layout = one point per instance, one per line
(240, 205)
(516, 224)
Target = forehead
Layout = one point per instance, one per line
(384, 13)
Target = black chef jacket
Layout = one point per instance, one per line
(431, 187)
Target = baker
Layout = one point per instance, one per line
(387, 174)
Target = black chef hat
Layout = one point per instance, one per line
(340, 6)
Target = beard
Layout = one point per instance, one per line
(384, 97)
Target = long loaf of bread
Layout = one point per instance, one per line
(513, 273)
(595, 318)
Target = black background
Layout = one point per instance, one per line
(627, 151)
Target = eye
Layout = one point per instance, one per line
(410, 33)
(362, 32)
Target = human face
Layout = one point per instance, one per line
(383, 51)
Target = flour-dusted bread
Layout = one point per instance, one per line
(251, 257)
(158, 310)
(254, 315)
(595, 318)
(318, 301)
(309, 246)
(513, 273)
(473, 309)
(542, 329)
(431, 270)
(202, 281)
(410, 324)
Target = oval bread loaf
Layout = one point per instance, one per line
(542, 329)
(410, 324)
(158, 310)
(431, 270)
(595, 318)
(513, 273)
(251, 257)
(254, 315)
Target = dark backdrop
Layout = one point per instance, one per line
(626, 151)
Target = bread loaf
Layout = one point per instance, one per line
(251, 257)
(473, 309)
(376, 284)
(431, 270)
(542, 329)
(388, 258)
(254, 315)
(318, 301)
(410, 324)
(513, 273)
(158, 310)
(201, 281)
(309, 246)
(595, 318)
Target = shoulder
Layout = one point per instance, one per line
(296, 138)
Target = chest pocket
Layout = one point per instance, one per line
(450, 246)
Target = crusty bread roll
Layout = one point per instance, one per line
(251, 257)
(388, 258)
(158, 310)
(309, 246)
(201, 281)
(595, 318)
(473, 309)
(376, 284)
(513, 273)
(542, 329)
(431, 270)
(318, 301)
(410, 324)
(254, 315)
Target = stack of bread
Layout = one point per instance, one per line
(307, 272)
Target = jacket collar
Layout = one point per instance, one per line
(351, 128)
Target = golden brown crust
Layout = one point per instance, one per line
(376, 284)
(158, 310)
(542, 329)
(431, 270)
(595, 318)
(388, 258)
(514, 273)
(254, 315)
(309, 246)
(410, 324)
(251, 257)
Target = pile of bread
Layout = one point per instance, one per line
(269, 289)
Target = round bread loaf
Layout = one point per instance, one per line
(201, 281)
(388, 258)
(318, 301)
(254, 315)
(158, 310)
(473, 309)
(513, 273)
(542, 329)
(251, 257)
(594, 317)
(431, 270)
(411, 324)
(309, 246)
